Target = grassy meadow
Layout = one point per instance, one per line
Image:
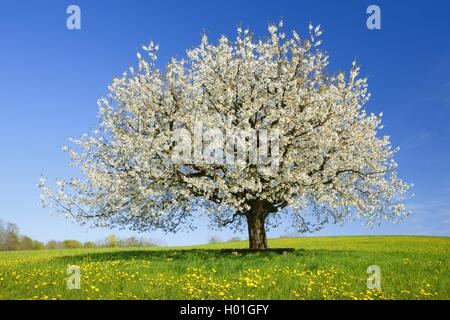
(321, 268)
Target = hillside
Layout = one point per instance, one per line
(321, 268)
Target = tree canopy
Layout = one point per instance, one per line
(327, 161)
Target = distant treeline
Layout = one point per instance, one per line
(11, 239)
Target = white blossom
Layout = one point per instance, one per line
(334, 165)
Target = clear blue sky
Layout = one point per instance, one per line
(51, 78)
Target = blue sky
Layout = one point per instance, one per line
(51, 78)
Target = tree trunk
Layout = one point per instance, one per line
(256, 229)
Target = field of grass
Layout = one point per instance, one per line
(320, 268)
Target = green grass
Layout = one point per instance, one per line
(321, 268)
